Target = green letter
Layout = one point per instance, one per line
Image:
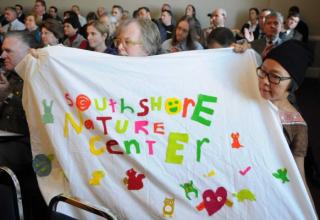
(200, 108)
(173, 147)
(127, 145)
(199, 145)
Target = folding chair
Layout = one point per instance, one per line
(10, 194)
(55, 215)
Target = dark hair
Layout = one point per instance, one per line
(118, 7)
(135, 13)
(20, 6)
(55, 8)
(74, 22)
(43, 3)
(168, 11)
(222, 36)
(193, 10)
(293, 14)
(55, 27)
(25, 36)
(191, 38)
(145, 8)
(294, 9)
(70, 14)
(91, 16)
(254, 9)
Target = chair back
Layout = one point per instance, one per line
(11, 201)
(55, 215)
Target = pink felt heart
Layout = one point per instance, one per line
(213, 201)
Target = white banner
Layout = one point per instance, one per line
(177, 136)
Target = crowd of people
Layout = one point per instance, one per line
(263, 30)
(278, 41)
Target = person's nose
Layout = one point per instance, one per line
(4, 55)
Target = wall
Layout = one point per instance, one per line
(237, 9)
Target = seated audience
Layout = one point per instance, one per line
(117, 12)
(91, 17)
(168, 7)
(101, 11)
(252, 25)
(191, 11)
(302, 27)
(53, 13)
(184, 38)
(138, 38)
(74, 39)
(97, 34)
(51, 32)
(39, 9)
(20, 15)
(218, 18)
(280, 74)
(289, 32)
(144, 12)
(32, 27)
(125, 15)
(76, 9)
(111, 23)
(165, 25)
(249, 36)
(271, 28)
(13, 23)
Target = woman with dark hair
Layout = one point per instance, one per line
(51, 32)
(251, 25)
(184, 37)
(191, 11)
(280, 74)
(71, 27)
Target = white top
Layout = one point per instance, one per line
(16, 25)
(82, 20)
(167, 47)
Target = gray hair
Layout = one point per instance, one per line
(150, 35)
(26, 38)
(275, 14)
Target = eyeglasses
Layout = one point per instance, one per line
(125, 42)
(273, 78)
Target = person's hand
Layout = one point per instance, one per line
(34, 53)
(4, 87)
(175, 49)
(248, 35)
(241, 48)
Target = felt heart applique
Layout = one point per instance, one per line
(213, 201)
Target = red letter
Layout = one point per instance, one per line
(145, 108)
(185, 106)
(104, 119)
(158, 128)
(112, 143)
(69, 100)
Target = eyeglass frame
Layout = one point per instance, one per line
(125, 42)
(274, 76)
